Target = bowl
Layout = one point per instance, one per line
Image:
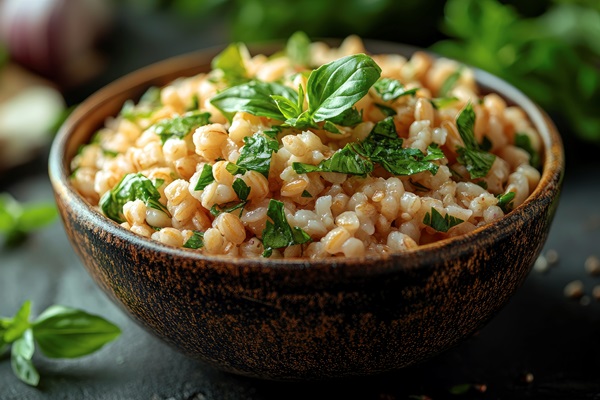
(299, 319)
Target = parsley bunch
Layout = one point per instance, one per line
(59, 332)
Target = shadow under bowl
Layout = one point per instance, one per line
(300, 319)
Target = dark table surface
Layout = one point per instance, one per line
(541, 333)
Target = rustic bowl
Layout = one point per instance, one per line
(301, 319)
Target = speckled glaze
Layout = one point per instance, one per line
(304, 319)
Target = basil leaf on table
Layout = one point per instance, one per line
(18, 219)
(63, 332)
(18, 324)
(20, 360)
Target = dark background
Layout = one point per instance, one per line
(540, 332)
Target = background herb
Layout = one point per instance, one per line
(298, 49)
(60, 332)
(231, 63)
(17, 220)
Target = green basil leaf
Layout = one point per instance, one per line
(241, 189)
(63, 332)
(442, 102)
(478, 162)
(450, 82)
(206, 177)
(278, 233)
(334, 87)
(350, 117)
(345, 161)
(288, 108)
(505, 201)
(256, 154)
(231, 62)
(254, 97)
(36, 216)
(298, 49)
(391, 89)
(439, 223)
(22, 351)
(523, 141)
(148, 104)
(18, 324)
(195, 241)
(215, 210)
(181, 126)
(330, 127)
(132, 187)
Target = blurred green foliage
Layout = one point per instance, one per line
(550, 49)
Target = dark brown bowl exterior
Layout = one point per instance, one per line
(303, 319)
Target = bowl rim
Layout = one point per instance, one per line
(549, 184)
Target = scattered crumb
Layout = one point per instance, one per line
(552, 257)
(527, 377)
(574, 290)
(541, 264)
(592, 265)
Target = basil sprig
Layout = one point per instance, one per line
(132, 187)
(331, 90)
(278, 233)
(59, 332)
(17, 220)
(477, 161)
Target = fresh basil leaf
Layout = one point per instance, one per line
(215, 210)
(180, 126)
(241, 189)
(289, 109)
(442, 102)
(132, 187)
(478, 162)
(35, 216)
(206, 177)
(278, 233)
(17, 219)
(254, 97)
(298, 49)
(22, 351)
(505, 201)
(195, 241)
(391, 89)
(350, 117)
(337, 86)
(439, 223)
(231, 62)
(385, 110)
(63, 332)
(330, 127)
(18, 324)
(450, 82)
(255, 155)
(345, 161)
(523, 141)
(486, 144)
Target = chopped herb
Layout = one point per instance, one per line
(486, 144)
(254, 97)
(241, 189)
(148, 104)
(180, 126)
(194, 104)
(385, 110)
(306, 193)
(255, 155)
(195, 241)
(442, 102)
(505, 201)
(231, 63)
(110, 153)
(523, 141)
(350, 117)
(439, 223)
(132, 187)
(391, 89)
(477, 161)
(345, 161)
(450, 82)
(298, 49)
(60, 332)
(17, 220)
(215, 210)
(206, 177)
(278, 233)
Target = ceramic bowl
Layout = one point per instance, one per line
(301, 319)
